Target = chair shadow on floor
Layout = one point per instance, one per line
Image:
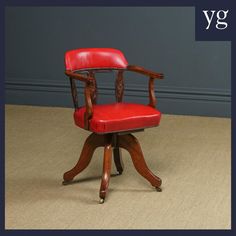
(48, 189)
(86, 179)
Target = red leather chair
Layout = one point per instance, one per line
(111, 124)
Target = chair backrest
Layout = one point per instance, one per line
(95, 58)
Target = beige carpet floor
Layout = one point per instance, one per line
(191, 154)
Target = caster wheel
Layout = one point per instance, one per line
(101, 201)
(158, 189)
(119, 173)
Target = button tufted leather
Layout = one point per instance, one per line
(92, 58)
(118, 117)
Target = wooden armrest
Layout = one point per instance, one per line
(83, 78)
(144, 71)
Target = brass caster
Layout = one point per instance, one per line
(158, 189)
(101, 201)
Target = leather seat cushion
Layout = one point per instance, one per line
(118, 117)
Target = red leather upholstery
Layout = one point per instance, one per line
(119, 117)
(92, 58)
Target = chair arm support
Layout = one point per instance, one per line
(87, 94)
(152, 96)
(74, 93)
(144, 71)
(152, 76)
(88, 104)
(78, 76)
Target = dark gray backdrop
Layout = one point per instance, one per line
(197, 74)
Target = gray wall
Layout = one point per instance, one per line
(197, 74)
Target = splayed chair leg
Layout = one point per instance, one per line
(92, 142)
(106, 172)
(131, 144)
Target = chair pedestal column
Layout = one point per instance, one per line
(112, 142)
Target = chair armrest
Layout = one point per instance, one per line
(78, 76)
(144, 71)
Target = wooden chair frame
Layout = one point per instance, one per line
(110, 141)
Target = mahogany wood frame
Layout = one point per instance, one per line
(110, 141)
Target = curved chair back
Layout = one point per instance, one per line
(95, 58)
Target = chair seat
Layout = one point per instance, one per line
(119, 117)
